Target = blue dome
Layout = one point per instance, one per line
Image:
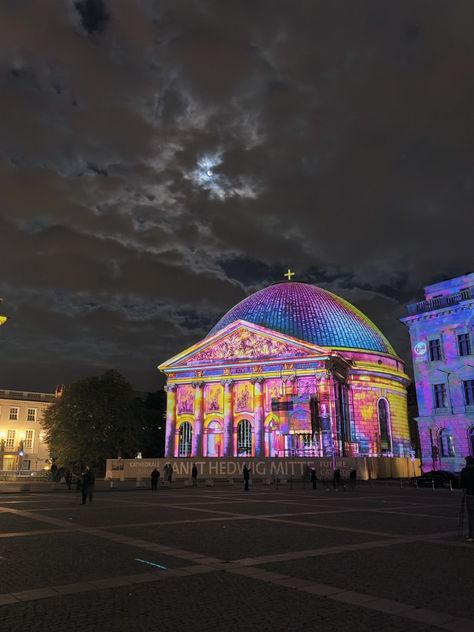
(308, 313)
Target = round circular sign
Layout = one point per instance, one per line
(420, 348)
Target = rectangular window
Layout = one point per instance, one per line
(31, 414)
(25, 464)
(468, 387)
(13, 414)
(440, 399)
(435, 349)
(28, 443)
(10, 443)
(464, 344)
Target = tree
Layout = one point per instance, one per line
(95, 418)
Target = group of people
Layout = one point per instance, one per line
(337, 479)
(167, 476)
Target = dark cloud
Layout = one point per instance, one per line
(159, 161)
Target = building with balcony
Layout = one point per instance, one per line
(441, 331)
(22, 441)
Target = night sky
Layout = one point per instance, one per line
(160, 161)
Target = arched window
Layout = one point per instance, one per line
(244, 438)
(446, 442)
(471, 440)
(214, 439)
(185, 439)
(384, 428)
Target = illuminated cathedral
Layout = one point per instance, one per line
(292, 370)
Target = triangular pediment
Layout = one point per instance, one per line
(242, 342)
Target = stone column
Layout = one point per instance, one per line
(228, 418)
(198, 418)
(259, 416)
(170, 419)
(325, 412)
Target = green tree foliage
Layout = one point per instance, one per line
(96, 418)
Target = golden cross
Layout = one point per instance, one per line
(289, 274)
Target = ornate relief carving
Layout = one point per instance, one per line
(245, 344)
(244, 397)
(185, 399)
(213, 398)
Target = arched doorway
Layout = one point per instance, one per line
(185, 439)
(214, 438)
(244, 438)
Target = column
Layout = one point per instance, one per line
(170, 419)
(228, 418)
(198, 418)
(325, 412)
(259, 416)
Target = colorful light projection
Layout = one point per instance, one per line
(308, 313)
(442, 338)
(247, 389)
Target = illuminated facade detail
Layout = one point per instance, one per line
(248, 389)
(22, 440)
(441, 330)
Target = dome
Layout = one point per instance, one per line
(308, 313)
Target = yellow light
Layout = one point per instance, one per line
(3, 320)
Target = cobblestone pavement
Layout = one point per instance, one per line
(380, 558)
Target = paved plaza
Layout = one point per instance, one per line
(377, 558)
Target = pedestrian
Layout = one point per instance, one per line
(194, 475)
(246, 472)
(467, 483)
(68, 478)
(54, 472)
(352, 479)
(170, 473)
(314, 478)
(88, 480)
(336, 481)
(155, 476)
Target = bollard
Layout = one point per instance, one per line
(432, 483)
(450, 485)
(416, 483)
(401, 482)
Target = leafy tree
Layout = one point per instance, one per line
(95, 418)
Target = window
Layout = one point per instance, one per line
(10, 443)
(446, 441)
(13, 414)
(28, 443)
(440, 399)
(244, 438)
(464, 344)
(435, 349)
(25, 464)
(31, 414)
(385, 441)
(468, 387)
(185, 439)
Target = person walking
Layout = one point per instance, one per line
(352, 479)
(336, 481)
(314, 478)
(88, 480)
(194, 475)
(246, 472)
(68, 478)
(170, 473)
(467, 483)
(155, 476)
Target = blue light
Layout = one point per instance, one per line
(308, 313)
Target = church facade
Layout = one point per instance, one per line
(291, 371)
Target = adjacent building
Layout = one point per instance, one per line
(292, 370)
(22, 441)
(441, 330)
